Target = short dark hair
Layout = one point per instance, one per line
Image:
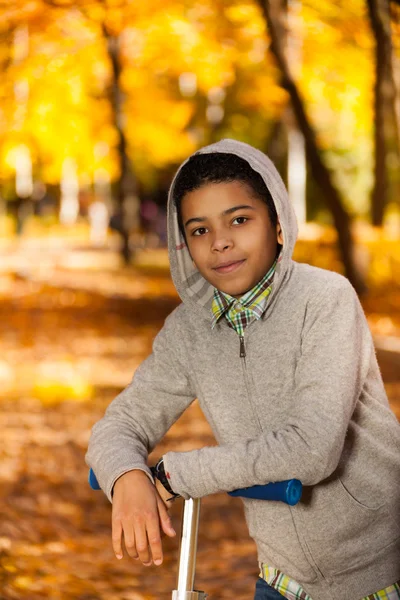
(220, 167)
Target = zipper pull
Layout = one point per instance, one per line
(242, 347)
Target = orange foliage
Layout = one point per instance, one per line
(221, 46)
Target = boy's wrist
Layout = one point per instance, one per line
(134, 472)
(158, 472)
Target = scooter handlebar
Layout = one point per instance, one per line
(283, 491)
(92, 480)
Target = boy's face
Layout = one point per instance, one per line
(229, 235)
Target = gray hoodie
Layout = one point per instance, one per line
(307, 402)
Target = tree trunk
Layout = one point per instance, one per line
(126, 185)
(272, 11)
(386, 135)
(276, 145)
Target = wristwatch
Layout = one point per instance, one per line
(158, 472)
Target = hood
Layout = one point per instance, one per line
(193, 289)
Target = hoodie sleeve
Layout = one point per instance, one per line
(141, 415)
(330, 373)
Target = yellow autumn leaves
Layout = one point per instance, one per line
(190, 71)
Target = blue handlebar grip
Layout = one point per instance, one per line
(285, 491)
(94, 484)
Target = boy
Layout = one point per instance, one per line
(282, 362)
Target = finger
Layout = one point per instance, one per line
(116, 537)
(142, 544)
(154, 538)
(129, 539)
(165, 520)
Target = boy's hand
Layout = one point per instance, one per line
(137, 513)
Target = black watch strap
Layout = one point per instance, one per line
(158, 471)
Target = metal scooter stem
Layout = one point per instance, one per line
(187, 556)
(288, 491)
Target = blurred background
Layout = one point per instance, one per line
(100, 100)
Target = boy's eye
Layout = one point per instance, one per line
(240, 220)
(199, 231)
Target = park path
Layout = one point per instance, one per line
(65, 352)
(69, 341)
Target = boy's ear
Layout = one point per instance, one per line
(279, 234)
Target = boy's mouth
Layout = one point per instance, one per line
(228, 267)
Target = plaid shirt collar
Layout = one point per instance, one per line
(252, 305)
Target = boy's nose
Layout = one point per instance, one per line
(221, 243)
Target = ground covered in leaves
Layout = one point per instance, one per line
(70, 340)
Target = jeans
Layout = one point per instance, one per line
(266, 592)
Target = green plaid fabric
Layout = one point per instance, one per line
(252, 305)
(293, 591)
(289, 588)
(390, 593)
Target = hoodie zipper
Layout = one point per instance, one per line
(242, 355)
